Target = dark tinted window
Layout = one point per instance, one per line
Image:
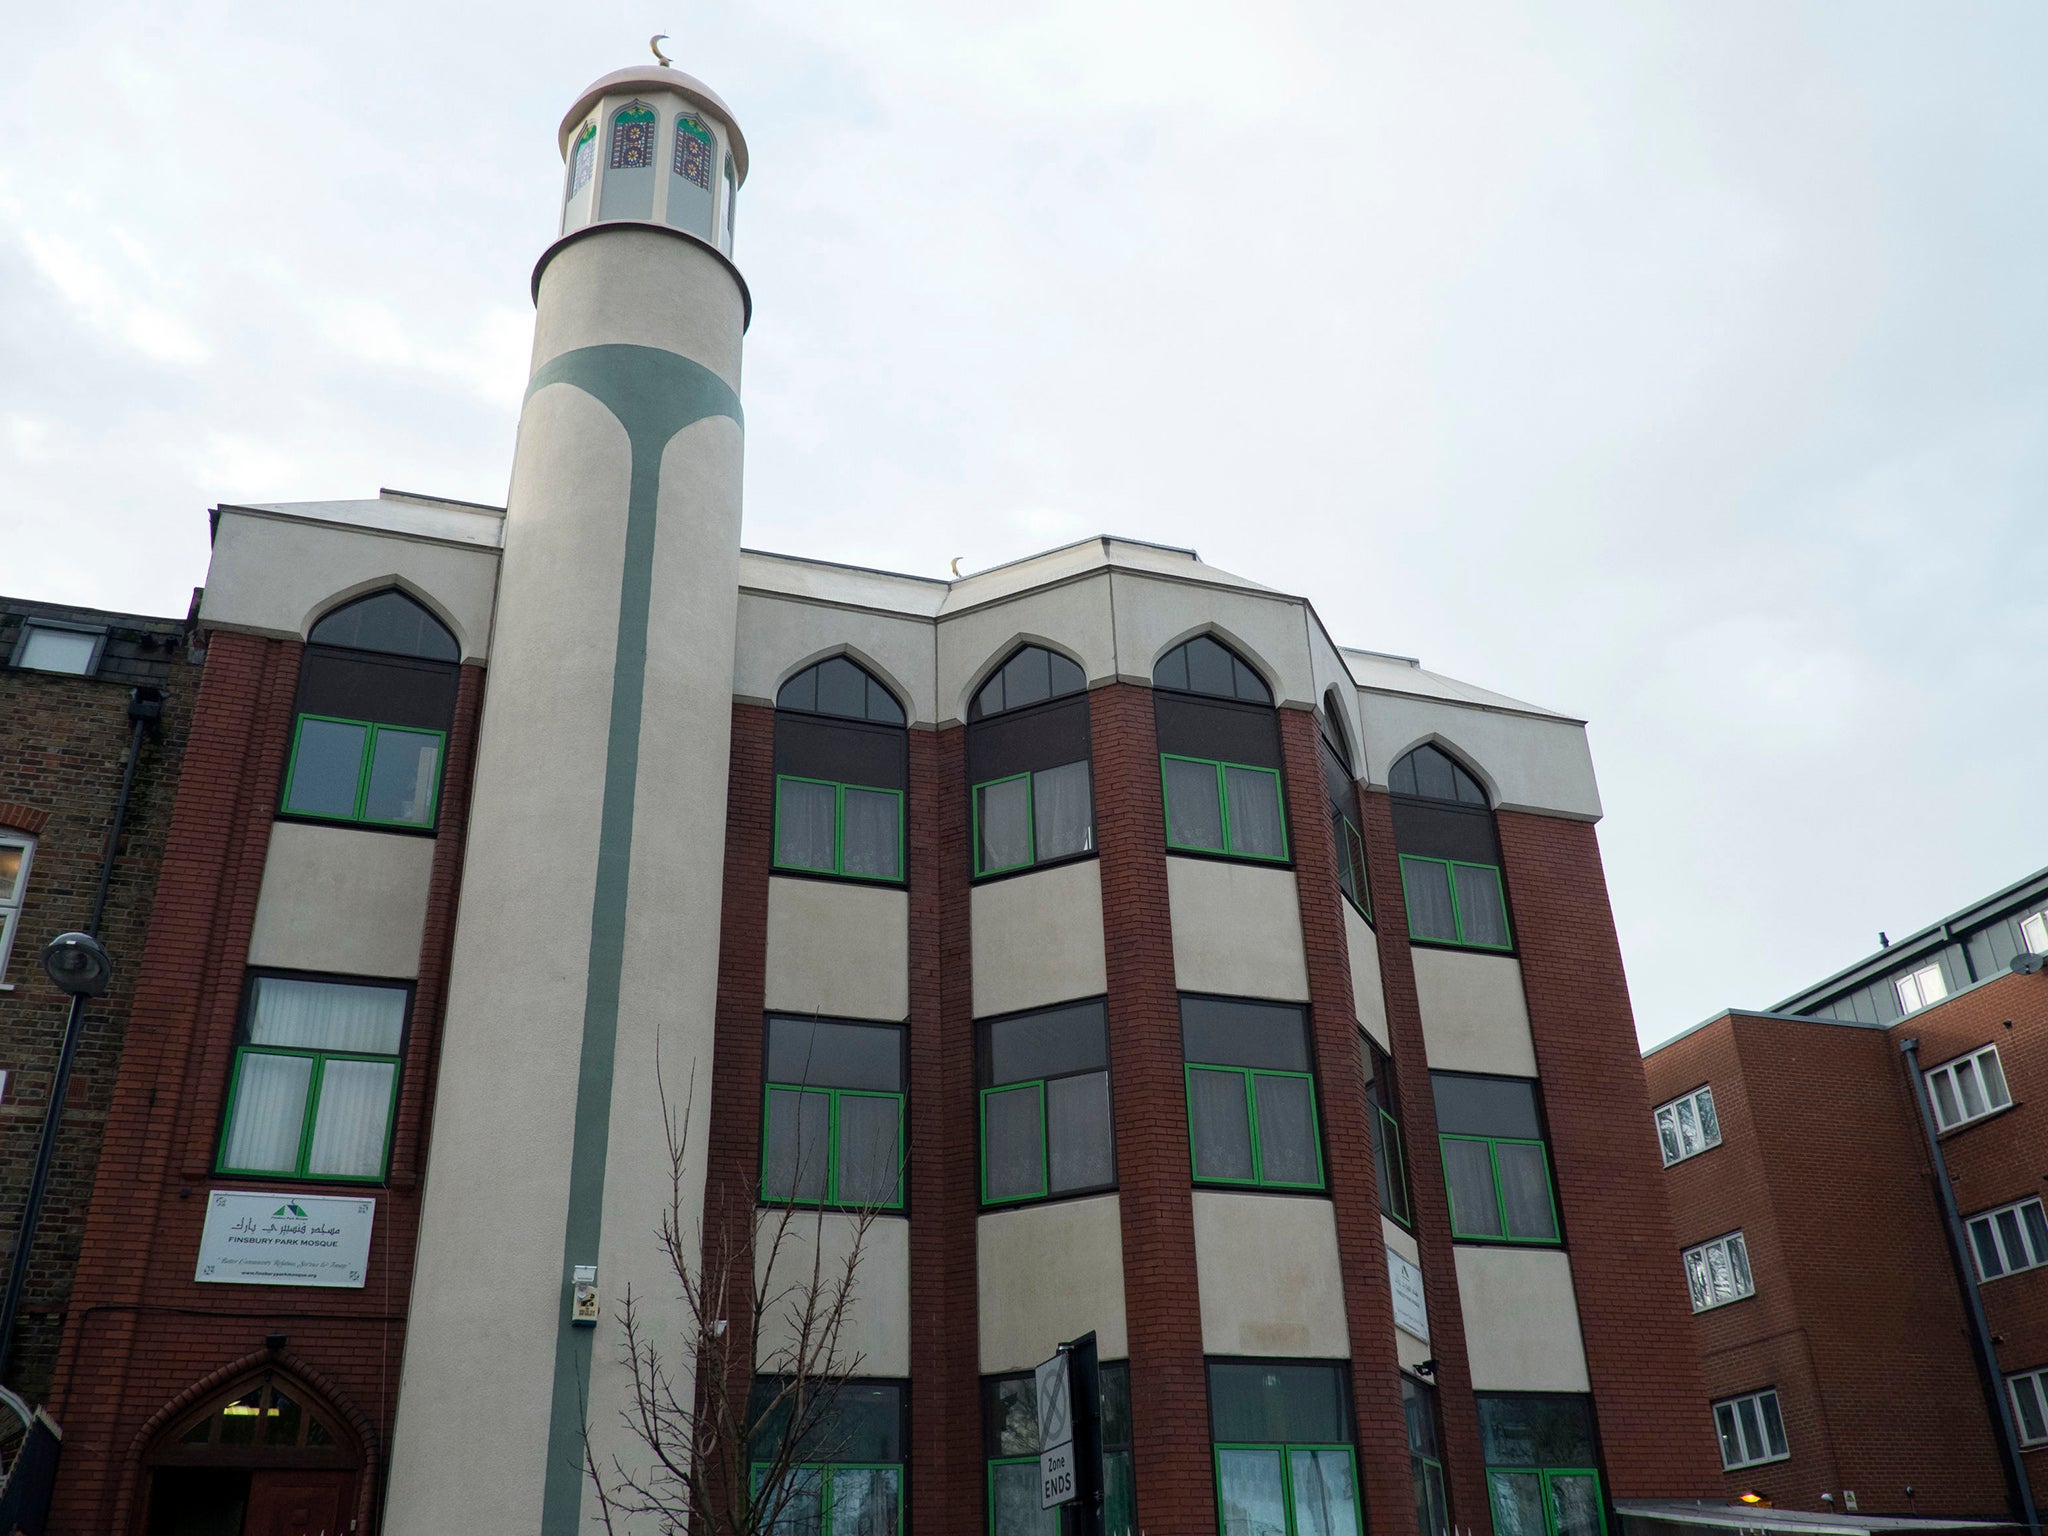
(842, 688)
(1274, 1402)
(1031, 676)
(389, 622)
(1536, 1430)
(1419, 1403)
(1431, 774)
(1334, 735)
(817, 1053)
(1231, 1032)
(1203, 665)
(1485, 1106)
(1049, 1044)
(842, 1421)
(387, 691)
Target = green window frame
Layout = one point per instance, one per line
(1223, 769)
(1287, 1455)
(1510, 1512)
(310, 1119)
(1032, 855)
(834, 1097)
(1035, 1087)
(838, 864)
(365, 766)
(1464, 1227)
(1458, 914)
(828, 1473)
(1351, 862)
(1251, 1077)
(1392, 1168)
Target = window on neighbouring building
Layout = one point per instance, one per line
(832, 1113)
(1027, 760)
(1335, 756)
(839, 1471)
(1251, 1093)
(1219, 753)
(1687, 1126)
(1450, 853)
(2030, 1405)
(44, 646)
(16, 854)
(1751, 1430)
(2034, 933)
(1390, 1162)
(1009, 1427)
(376, 699)
(2013, 1237)
(1281, 1431)
(1045, 1123)
(1921, 989)
(315, 1079)
(1425, 1461)
(1717, 1273)
(1968, 1088)
(1496, 1161)
(1542, 1469)
(841, 767)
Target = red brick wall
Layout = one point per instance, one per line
(1169, 1385)
(142, 1331)
(63, 743)
(1655, 1430)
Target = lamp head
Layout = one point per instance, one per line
(78, 965)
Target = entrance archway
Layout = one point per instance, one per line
(265, 1456)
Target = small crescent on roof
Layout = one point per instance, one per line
(654, 43)
(956, 564)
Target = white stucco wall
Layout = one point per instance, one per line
(838, 949)
(1038, 939)
(1073, 618)
(877, 1324)
(1528, 762)
(1269, 1275)
(1368, 996)
(1154, 614)
(1475, 1017)
(1049, 1273)
(780, 636)
(1521, 1320)
(342, 899)
(1236, 929)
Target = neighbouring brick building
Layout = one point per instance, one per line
(1832, 1307)
(67, 678)
(1121, 952)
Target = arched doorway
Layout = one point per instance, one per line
(264, 1457)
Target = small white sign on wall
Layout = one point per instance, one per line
(274, 1239)
(1411, 1311)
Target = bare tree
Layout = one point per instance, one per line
(729, 1424)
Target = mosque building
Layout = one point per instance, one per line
(1096, 939)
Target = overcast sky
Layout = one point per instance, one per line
(1683, 367)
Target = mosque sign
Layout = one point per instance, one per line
(283, 1239)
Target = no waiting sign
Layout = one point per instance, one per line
(1056, 1481)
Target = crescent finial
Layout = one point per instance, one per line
(956, 564)
(655, 43)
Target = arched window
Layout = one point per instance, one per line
(732, 197)
(633, 137)
(1450, 854)
(1027, 759)
(582, 160)
(689, 178)
(842, 764)
(627, 190)
(267, 1444)
(1219, 753)
(1336, 760)
(376, 699)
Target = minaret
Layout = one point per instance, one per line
(587, 939)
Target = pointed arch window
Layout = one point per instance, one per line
(730, 206)
(693, 152)
(1449, 851)
(582, 159)
(1028, 764)
(262, 1421)
(1336, 759)
(842, 766)
(1219, 754)
(633, 137)
(376, 700)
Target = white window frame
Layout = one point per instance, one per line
(1921, 989)
(29, 625)
(1705, 1277)
(2033, 1250)
(1672, 1116)
(2034, 933)
(1733, 1406)
(11, 899)
(2036, 1383)
(1950, 1074)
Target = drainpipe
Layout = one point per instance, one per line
(1973, 1302)
(145, 706)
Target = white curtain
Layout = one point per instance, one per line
(1428, 884)
(1254, 812)
(1479, 905)
(874, 836)
(1194, 817)
(354, 1117)
(404, 768)
(1062, 811)
(1003, 823)
(327, 1015)
(804, 817)
(270, 1112)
